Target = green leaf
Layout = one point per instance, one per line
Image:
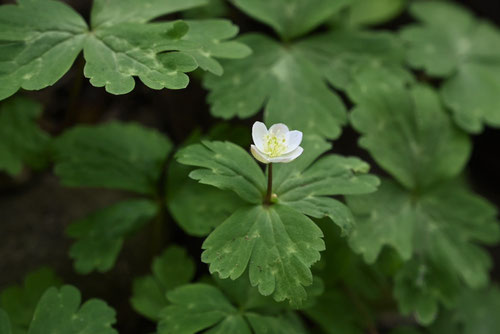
(304, 185)
(408, 132)
(21, 139)
(101, 234)
(113, 155)
(477, 311)
(283, 81)
(440, 228)
(208, 39)
(115, 54)
(39, 41)
(334, 313)
(20, 301)
(200, 306)
(278, 244)
(198, 208)
(172, 268)
(421, 285)
(291, 18)
(214, 8)
(342, 56)
(111, 12)
(366, 12)
(59, 311)
(463, 49)
(225, 166)
(38, 51)
(5, 327)
(196, 307)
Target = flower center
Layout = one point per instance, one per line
(274, 146)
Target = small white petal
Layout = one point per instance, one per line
(259, 155)
(288, 157)
(293, 140)
(279, 129)
(259, 132)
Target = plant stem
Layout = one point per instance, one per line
(269, 184)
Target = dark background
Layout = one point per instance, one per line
(35, 209)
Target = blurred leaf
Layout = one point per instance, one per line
(21, 139)
(421, 285)
(407, 132)
(372, 12)
(100, 235)
(334, 313)
(291, 18)
(111, 12)
(283, 81)
(198, 208)
(39, 41)
(59, 311)
(441, 228)
(5, 327)
(214, 8)
(341, 56)
(171, 269)
(199, 306)
(112, 155)
(478, 311)
(20, 301)
(463, 49)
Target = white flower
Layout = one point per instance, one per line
(278, 144)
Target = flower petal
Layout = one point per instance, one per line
(259, 155)
(259, 132)
(279, 129)
(293, 140)
(288, 157)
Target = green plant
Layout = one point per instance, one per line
(313, 242)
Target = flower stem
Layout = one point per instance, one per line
(269, 184)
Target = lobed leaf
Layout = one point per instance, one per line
(343, 56)
(291, 18)
(121, 45)
(225, 166)
(408, 132)
(465, 51)
(441, 228)
(59, 311)
(305, 184)
(113, 155)
(39, 41)
(21, 139)
(364, 13)
(20, 301)
(281, 80)
(196, 307)
(169, 270)
(116, 54)
(111, 12)
(100, 236)
(278, 245)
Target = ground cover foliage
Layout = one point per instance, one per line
(341, 249)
